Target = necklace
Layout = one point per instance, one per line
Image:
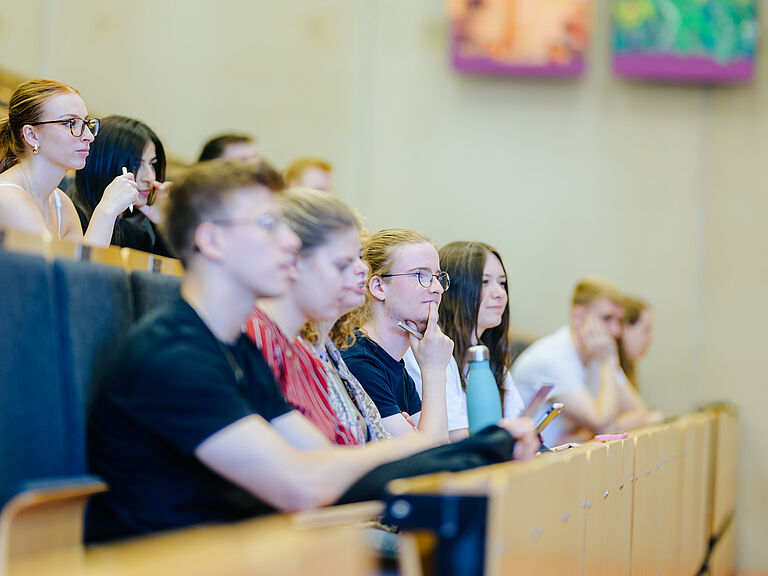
(234, 365)
(237, 370)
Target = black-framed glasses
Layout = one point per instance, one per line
(425, 277)
(76, 125)
(269, 222)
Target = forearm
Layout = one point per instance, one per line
(607, 405)
(253, 455)
(321, 478)
(100, 228)
(632, 419)
(458, 434)
(434, 414)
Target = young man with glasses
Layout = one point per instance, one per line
(190, 426)
(405, 287)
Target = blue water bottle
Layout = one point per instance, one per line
(483, 397)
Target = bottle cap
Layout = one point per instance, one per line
(478, 353)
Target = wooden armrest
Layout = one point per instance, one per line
(44, 517)
(338, 515)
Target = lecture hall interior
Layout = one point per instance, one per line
(619, 139)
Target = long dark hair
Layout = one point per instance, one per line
(464, 262)
(120, 142)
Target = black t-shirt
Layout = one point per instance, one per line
(383, 377)
(170, 386)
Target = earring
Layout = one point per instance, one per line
(36, 149)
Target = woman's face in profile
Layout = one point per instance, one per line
(323, 276)
(355, 284)
(145, 174)
(637, 337)
(493, 297)
(56, 142)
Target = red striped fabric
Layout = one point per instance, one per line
(300, 375)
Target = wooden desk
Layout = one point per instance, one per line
(265, 547)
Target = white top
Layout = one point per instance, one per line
(554, 360)
(55, 197)
(456, 397)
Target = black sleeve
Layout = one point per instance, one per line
(263, 390)
(412, 398)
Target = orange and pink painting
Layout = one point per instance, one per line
(528, 37)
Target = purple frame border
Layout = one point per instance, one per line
(482, 65)
(682, 68)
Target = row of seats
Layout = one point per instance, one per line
(66, 309)
(61, 318)
(655, 502)
(51, 248)
(661, 501)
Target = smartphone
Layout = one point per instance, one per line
(537, 401)
(410, 330)
(551, 414)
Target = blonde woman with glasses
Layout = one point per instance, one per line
(48, 132)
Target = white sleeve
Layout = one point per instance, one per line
(540, 367)
(513, 402)
(412, 367)
(455, 398)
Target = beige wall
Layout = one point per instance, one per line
(657, 187)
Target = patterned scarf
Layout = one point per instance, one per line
(340, 374)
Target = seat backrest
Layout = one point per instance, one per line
(32, 422)
(151, 290)
(95, 305)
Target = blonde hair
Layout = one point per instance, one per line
(380, 254)
(592, 288)
(314, 216)
(25, 107)
(296, 168)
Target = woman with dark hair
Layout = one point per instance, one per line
(130, 144)
(474, 311)
(48, 132)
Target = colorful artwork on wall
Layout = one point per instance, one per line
(685, 40)
(527, 37)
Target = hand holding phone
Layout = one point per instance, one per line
(551, 414)
(537, 401)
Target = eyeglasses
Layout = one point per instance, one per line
(426, 277)
(269, 222)
(76, 125)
